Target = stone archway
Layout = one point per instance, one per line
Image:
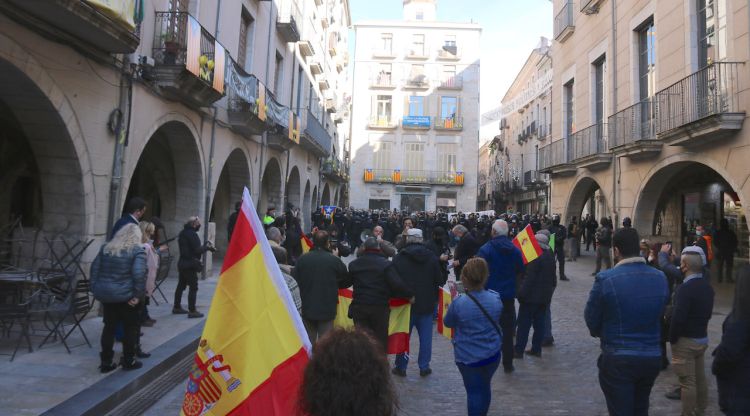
(234, 177)
(314, 202)
(169, 177)
(325, 198)
(306, 208)
(271, 187)
(292, 188)
(587, 197)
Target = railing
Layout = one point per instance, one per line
(635, 123)
(289, 13)
(413, 177)
(553, 154)
(242, 89)
(381, 122)
(531, 177)
(416, 53)
(449, 123)
(170, 38)
(332, 166)
(454, 82)
(382, 52)
(382, 80)
(710, 91)
(417, 81)
(317, 132)
(589, 141)
(564, 19)
(448, 52)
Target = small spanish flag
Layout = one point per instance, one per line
(526, 242)
(306, 244)
(445, 298)
(398, 322)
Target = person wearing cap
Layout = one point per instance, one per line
(535, 294)
(374, 281)
(688, 331)
(420, 269)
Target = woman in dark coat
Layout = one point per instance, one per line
(731, 364)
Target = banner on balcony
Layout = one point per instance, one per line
(123, 11)
(416, 121)
(294, 127)
(396, 176)
(277, 112)
(369, 175)
(261, 102)
(219, 66)
(459, 178)
(242, 84)
(193, 61)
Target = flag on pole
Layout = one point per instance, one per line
(526, 242)
(306, 244)
(254, 347)
(445, 298)
(398, 323)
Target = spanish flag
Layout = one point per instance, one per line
(398, 323)
(254, 348)
(526, 242)
(445, 298)
(306, 244)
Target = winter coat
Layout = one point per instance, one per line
(467, 248)
(540, 280)
(116, 279)
(319, 275)
(191, 250)
(505, 263)
(375, 280)
(420, 269)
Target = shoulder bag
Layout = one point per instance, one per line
(484, 311)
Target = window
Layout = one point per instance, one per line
(449, 75)
(417, 75)
(245, 49)
(420, 15)
(413, 157)
(647, 60)
(386, 42)
(381, 156)
(417, 45)
(448, 107)
(599, 91)
(416, 106)
(382, 109)
(384, 74)
(277, 75)
(449, 45)
(569, 100)
(712, 31)
(446, 157)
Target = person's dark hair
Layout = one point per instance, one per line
(320, 239)
(347, 375)
(237, 205)
(134, 204)
(626, 240)
(724, 224)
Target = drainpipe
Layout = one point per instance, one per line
(264, 140)
(289, 151)
(615, 159)
(122, 135)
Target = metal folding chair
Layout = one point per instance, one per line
(15, 307)
(165, 263)
(73, 310)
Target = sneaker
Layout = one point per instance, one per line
(179, 311)
(131, 364)
(399, 372)
(195, 314)
(518, 355)
(534, 353)
(107, 367)
(426, 372)
(141, 354)
(548, 342)
(673, 394)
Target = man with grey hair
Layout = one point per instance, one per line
(387, 249)
(506, 266)
(275, 239)
(466, 248)
(688, 331)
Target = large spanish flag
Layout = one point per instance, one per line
(306, 244)
(254, 347)
(445, 298)
(398, 323)
(526, 242)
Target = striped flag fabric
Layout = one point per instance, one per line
(306, 243)
(552, 242)
(445, 298)
(398, 323)
(526, 242)
(254, 347)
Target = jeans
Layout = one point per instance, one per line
(602, 254)
(531, 314)
(115, 314)
(508, 325)
(477, 384)
(423, 323)
(373, 318)
(687, 361)
(626, 382)
(316, 329)
(548, 323)
(188, 278)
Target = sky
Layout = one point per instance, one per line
(510, 30)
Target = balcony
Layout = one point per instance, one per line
(564, 24)
(383, 80)
(414, 177)
(455, 82)
(383, 53)
(590, 6)
(334, 170)
(590, 148)
(285, 125)
(316, 138)
(415, 123)
(245, 113)
(448, 53)
(632, 131)
(449, 123)
(702, 107)
(316, 68)
(417, 82)
(323, 83)
(533, 177)
(381, 123)
(188, 61)
(289, 21)
(417, 53)
(553, 159)
(306, 48)
(331, 103)
(103, 28)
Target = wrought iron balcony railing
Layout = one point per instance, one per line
(382, 80)
(449, 123)
(633, 124)
(553, 154)
(455, 82)
(316, 137)
(381, 122)
(414, 177)
(289, 21)
(589, 141)
(564, 21)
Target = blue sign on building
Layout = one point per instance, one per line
(416, 121)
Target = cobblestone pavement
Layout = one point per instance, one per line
(563, 382)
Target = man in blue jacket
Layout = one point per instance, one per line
(132, 214)
(624, 311)
(506, 265)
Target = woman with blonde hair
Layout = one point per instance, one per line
(118, 281)
(477, 339)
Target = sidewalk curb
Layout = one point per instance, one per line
(111, 391)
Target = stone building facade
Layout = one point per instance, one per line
(652, 98)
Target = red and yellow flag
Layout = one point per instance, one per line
(254, 347)
(306, 244)
(398, 323)
(445, 298)
(526, 242)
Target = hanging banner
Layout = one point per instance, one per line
(123, 11)
(261, 102)
(242, 84)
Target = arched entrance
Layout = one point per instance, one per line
(292, 188)
(587, 197)
(306, 208)
(235, 175)
(325, 198)
(41, 180)
(169, 176)
(271, 187)
(679, 196)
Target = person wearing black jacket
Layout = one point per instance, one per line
(726, 245)
(189, 264)
(467, 248)
(420, 269)
(535, 294)
(439, 248)
(688, 332)
(560, 233)
(375, 281)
